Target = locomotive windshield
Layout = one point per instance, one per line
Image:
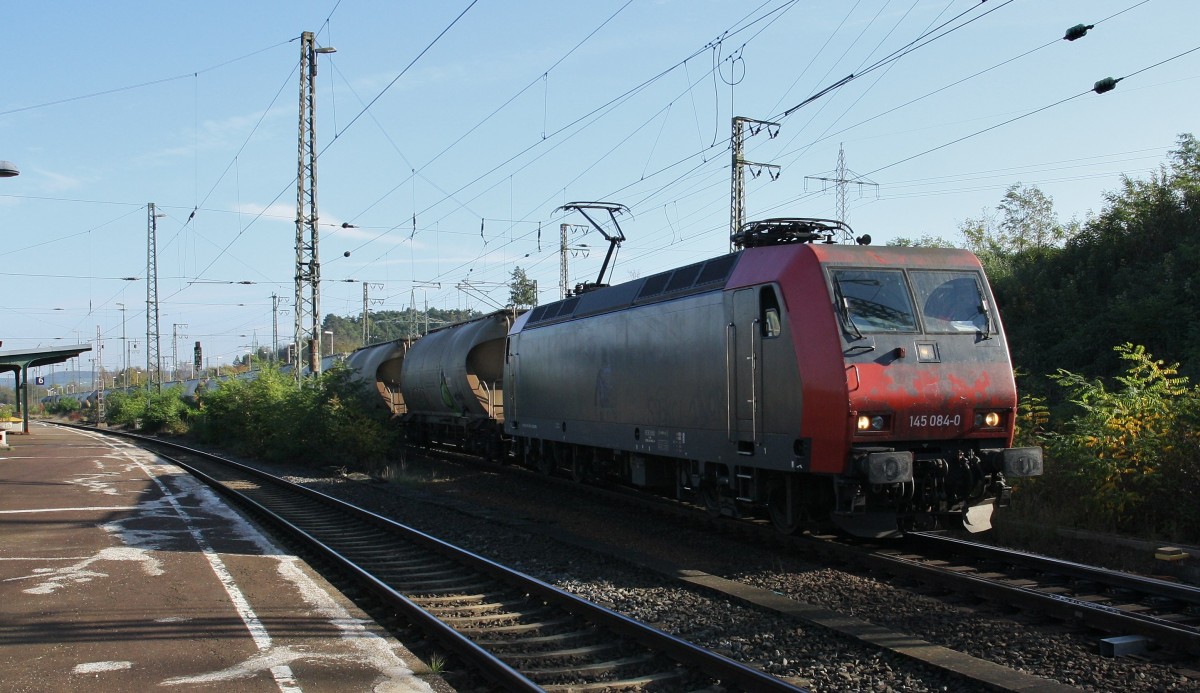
(874, 300)
(951, 301)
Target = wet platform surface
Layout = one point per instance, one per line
(120, 572)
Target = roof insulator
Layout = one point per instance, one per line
(1106, 84)
(1078, 31)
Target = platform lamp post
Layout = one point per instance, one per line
(124, 351)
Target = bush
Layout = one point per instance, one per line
(328, 420)
(125, 408)
(244, 413)
(65, 406)
(149, 410)
(351, 425)
(1129, 454)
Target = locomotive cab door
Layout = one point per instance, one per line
(744, 349)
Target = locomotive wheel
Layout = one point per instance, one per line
(544, 459)
(778, 506)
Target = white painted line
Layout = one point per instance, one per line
(69, 510)
(50, 580)
(41, 559)
(282, 672)
(360, 643)
(366, 646)
(97, 667)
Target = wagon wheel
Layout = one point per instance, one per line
(710, 493)
(581, 468)
(493, 449)
(787, 517)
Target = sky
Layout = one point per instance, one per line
(450, 134)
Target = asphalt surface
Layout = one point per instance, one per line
(120, 572)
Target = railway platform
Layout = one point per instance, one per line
(120, 572)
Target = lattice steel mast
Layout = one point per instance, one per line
(307, 306)
(737, 193)
(153, 358)
(842, 178)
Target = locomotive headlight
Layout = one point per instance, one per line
(987, 419)
(872, 423)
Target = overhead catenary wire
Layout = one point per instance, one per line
(465, 264)
(745, 23)
(1100, 87)
(918, 38)
(1072, 34)
(348, 125)
(693, 179)
(919, 42)
(140, 85)
(1050, 43)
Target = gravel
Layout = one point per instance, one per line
(513, 519)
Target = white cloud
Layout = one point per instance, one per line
(56, 182)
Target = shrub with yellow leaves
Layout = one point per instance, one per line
(1130, 454)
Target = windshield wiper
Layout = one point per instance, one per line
(844, 305)
(987, 318)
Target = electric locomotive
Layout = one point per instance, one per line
(798, 378)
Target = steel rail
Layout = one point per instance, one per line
(996, 588)
(493, 667)
(732, 675)
(1097, 614)
(1141, 583)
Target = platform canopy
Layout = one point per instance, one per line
(15, 360)
(19, 361)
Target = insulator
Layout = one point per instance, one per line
(1106, 84)
(1078, 31)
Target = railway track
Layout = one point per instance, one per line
(518, 632)
(1108, 600)
(1111, 602)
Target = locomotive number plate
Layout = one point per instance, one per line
(934, 420)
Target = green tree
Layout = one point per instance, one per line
(1128, 275)
(1024, 223)
(522, 290)
(389, 325)
(1024, 219)
(65, 406)
(1027, 219)
(925, 241)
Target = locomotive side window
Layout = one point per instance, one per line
(951, 301)
(768, 306)
(874, 300)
